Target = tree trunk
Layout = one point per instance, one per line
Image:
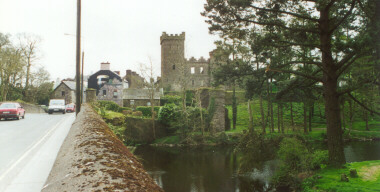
(271, 107)
(351, 116)
(342, 115)
(263, 122)
(310, 115)
(366, 120)
(331, 96)
(278, 118)
(305, 117)
(250, 125)
(291, 115)
(234, 107)
(282, 119)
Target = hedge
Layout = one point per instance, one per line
(146, 110)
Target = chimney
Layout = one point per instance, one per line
(105, 66)
(129, 72)
(117, 72)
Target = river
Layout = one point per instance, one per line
(216, 169)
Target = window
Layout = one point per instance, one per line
(115, 94)
(148, 104)
(173, 67)
(201, 70)
(63, 93)
(192, 82)
(192, 70)
(132, 102)
(104, 92)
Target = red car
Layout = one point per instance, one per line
(11, 110)
(70, 107)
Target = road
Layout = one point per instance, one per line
(28, 149)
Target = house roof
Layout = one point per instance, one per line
(140, 94)
(70, 84)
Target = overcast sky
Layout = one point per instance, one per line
(122, 32)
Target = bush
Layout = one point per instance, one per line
(294, 159)
(109, 105)
(175, 99)
(168, 115)
(137, 113)
(319, 158)
(147, 110)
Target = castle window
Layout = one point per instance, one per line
(148, 104)
(201, 70)
(104, 92)
(115, 94)
(63, 93)
(192, 70)
(173, 67)
(132, 102)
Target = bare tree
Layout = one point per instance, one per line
(29, 49)
(152, 85)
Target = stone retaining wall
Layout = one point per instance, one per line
(92, 158)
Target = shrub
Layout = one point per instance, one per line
(147, 110)
(109, 105)
(137, 113)
(175, 99)
(294, 159)
(319, 158)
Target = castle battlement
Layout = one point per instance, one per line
(200, 60)
(166, 36)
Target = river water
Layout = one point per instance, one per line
(216, 169)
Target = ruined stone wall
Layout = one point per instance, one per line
(198, 73)
(215, 98)
(218, 122)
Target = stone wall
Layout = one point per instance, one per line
(139, 102)
(218, 122)
(215, 97)
(140, 130)
(92, 158)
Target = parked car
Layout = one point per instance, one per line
(70, 107)
(11, 110)
(57, 105)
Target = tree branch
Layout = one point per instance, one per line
(238, 18)
(285, 12)
(362, 105)
(295, 73)
(344, 17)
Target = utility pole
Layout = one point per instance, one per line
(78, 90)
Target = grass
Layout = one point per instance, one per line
(168, 140)
(368, 179)
(318, 123)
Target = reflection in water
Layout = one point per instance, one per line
(216, 169)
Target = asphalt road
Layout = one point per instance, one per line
(28, 149)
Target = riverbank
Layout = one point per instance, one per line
(330, 179)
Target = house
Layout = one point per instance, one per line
(140, 97)
(108, 84)
(65, 90)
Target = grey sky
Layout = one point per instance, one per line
(123, 32)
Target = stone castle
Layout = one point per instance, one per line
(177, 72)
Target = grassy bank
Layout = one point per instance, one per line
(329, 179)
(358, 131)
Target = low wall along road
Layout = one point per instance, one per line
(92, 158)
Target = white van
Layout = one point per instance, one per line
(57, 105)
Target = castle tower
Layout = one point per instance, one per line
(172, 59)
